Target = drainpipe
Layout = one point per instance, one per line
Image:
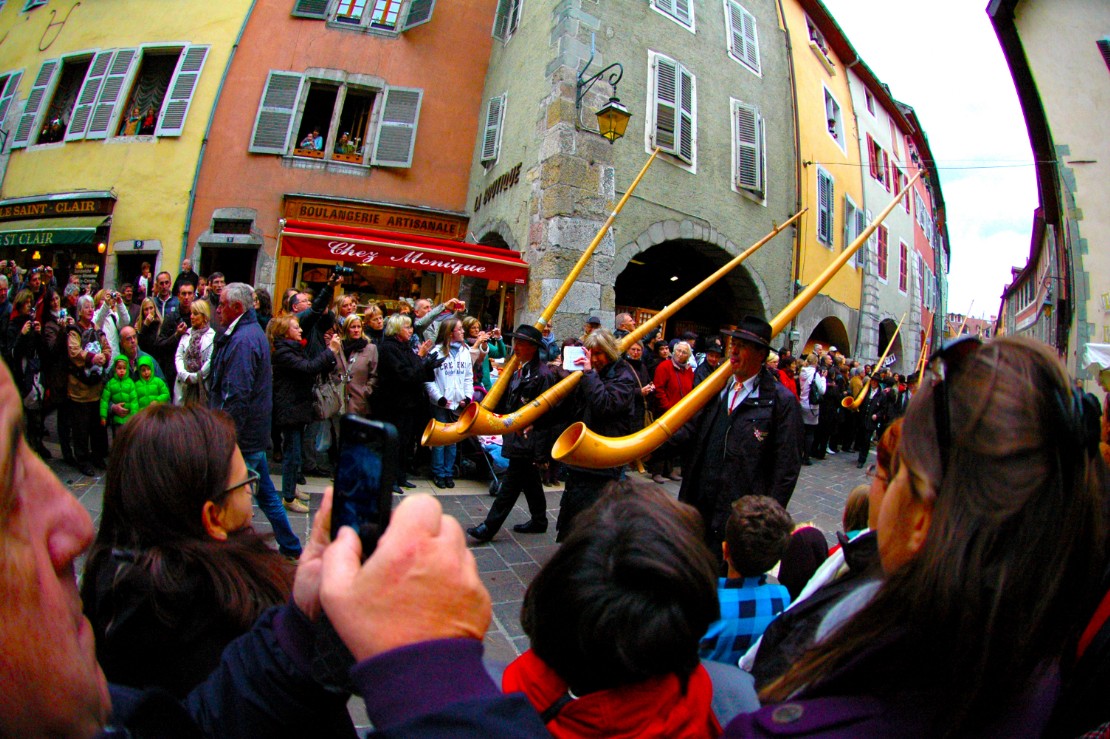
(798, 170)
(207, 131)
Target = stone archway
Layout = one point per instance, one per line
(828, 333)
(662, 273)
(894, 360)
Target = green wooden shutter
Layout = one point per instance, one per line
(275, 113)
(110, 92)
(11, 87)
(420, 11)
(748, 164)
(182, 86)
(666, 105)
(491, 137)
(29, 121)
(90, 89)
(396, 139)
(687, 115)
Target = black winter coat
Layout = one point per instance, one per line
(528, 383)
(605, 403)
(401, 377)
(761, 453)
(294, 376)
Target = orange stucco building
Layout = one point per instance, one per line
(338, 117)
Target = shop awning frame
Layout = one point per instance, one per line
(324, 242)
(59, 231)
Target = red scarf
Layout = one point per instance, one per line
(654, 708)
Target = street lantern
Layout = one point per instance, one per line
(101, 247)
(612, 119)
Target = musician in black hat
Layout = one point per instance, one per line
(747, 440)
(528, 450)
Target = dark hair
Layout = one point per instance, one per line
(627, 596)
(215, 275)
(856, 508)
(1014, 548)
(443, 336)
(166, 462)
(287, 299)
(757, 532)
(265, 302)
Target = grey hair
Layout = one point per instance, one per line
(239, 293)
(3, 280)
(83, 301)
(395, 323)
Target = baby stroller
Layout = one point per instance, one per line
(479, 458)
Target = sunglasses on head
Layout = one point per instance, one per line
(945, 364)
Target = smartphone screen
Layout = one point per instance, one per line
(363, 490)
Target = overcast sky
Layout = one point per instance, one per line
(943, 59)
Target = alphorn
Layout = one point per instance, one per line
(583, 448)
(438, 433)
(484, 422)
(924, 352)
(853, 404)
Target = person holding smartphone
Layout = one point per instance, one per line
(450, 391)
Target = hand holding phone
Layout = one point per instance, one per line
(364, 479)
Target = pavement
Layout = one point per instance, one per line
(509, 562)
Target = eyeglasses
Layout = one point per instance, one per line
(251, 483)
(945, 365)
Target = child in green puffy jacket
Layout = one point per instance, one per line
(149, 388)
(120, 389)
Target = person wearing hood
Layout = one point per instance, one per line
(119, 390)
(149, 388)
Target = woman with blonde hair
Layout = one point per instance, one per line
(358, 362)
(194, 357)
(149, 325)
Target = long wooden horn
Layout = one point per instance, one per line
(484, 422)
(583, 448)
(438, 433)
(853, 404)
(924, 352)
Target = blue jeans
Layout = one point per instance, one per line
(443, 461)
(290, 459)
(270, 503)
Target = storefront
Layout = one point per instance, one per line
(66, 231)
(396, 252)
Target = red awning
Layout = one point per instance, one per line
(329, 243)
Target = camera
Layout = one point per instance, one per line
(113, 295)
(342, 270)
(63, 314)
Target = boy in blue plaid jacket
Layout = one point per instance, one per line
(756, 537)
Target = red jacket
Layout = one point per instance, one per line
(671, 383)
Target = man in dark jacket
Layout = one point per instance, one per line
(747, 439)
(186, 275)
(527, 450)
(605, 402)
(874, 413)
(175, 324)
(241, 385)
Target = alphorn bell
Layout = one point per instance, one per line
(438, 433)
(853, 404)
(484, 422)
(583, 448)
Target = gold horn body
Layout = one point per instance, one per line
(583, 448)
(853, 404)
(924, 352)
(437, 433)
(486, 422)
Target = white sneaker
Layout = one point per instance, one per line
(830, 451)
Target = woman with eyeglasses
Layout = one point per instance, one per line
(176, 571)
(991, 535)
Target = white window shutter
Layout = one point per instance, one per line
(310, 9)
(396, 139)
(29, 122)
(750, 53)
(182, 86)
(682, 10)
(11, 87)
(748, 166)
(420, 11)
(825, 207)
(687, 116)
(275, 113)
(491, 138)
(507, 18)
(82, 110)
(666, 105)
(110, 92)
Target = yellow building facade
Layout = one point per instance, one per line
(104, 109)
(829, 174)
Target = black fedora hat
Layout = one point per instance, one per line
(528, 333)
(752, 330)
